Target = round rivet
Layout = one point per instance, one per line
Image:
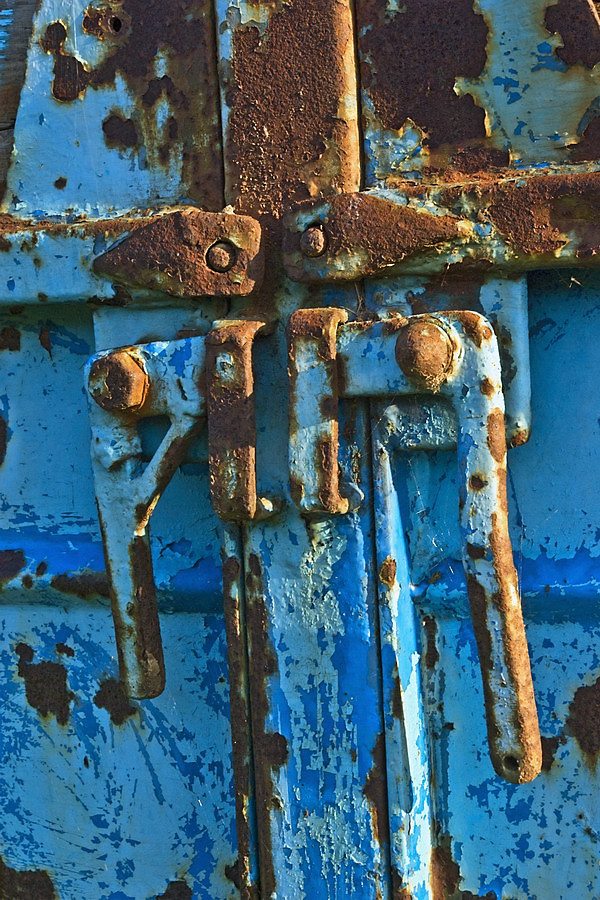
(118, 381)
(221, 257)
(424, 352)
(313, 242)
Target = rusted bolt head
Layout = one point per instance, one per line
(424, 352)
(118, 381)
(313, 242)
(221, 257)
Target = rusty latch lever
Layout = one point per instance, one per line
(455, 354)
(130, 383)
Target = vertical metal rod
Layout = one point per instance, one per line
(246, 875)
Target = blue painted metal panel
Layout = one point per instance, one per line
(364, 761)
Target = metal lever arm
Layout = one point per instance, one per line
(184, 380)
(129, 384)
(455, 354)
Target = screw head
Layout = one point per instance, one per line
(313, 242)
(424, 352)
(221, 256)
(118, 381)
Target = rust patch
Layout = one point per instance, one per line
(474, 326)
(477, 482)
(45, 685)
(387, 572)
(136, 33)
(496, 435)
(169, 254)
(27, 581)
(112, 697)
(270, 748)
(11, 563)
(10, 338)
(432, 654)
(70, 75)
(382, 232)
(396, 71)
(60, 183)
(32, 884)
(487, 387)
(475, 552)
(65, 649)
(537, 215)
(549, 747)
(444, 871)
(104, 22)
(375, 791)
(84, 584)
(177, 890)
(119, 132)
(584, 719)
(467, 895)
(578, 24)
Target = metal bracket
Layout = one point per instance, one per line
(177, 251)
(452, 355)
(185, 380)
(523, 221)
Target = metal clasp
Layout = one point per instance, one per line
(455, 355)
(188, 380)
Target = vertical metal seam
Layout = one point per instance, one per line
(370, 461)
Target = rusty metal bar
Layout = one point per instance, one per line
(453, 355)
(523, 220)
(231, 423)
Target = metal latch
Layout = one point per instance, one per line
(454, 355)
(189, 253)
(190, 381)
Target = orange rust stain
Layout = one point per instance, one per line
(387, 572)
(375, 790)
(496, 435)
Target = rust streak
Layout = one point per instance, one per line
(375, 791)
(387, 572)
(11, 563)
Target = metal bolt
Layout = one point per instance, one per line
(221, 257)
(424, 352)
(118, 381)
(314, 241)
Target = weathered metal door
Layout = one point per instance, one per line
(270, 260)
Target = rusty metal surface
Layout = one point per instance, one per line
(189, 253)
(355, 702)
